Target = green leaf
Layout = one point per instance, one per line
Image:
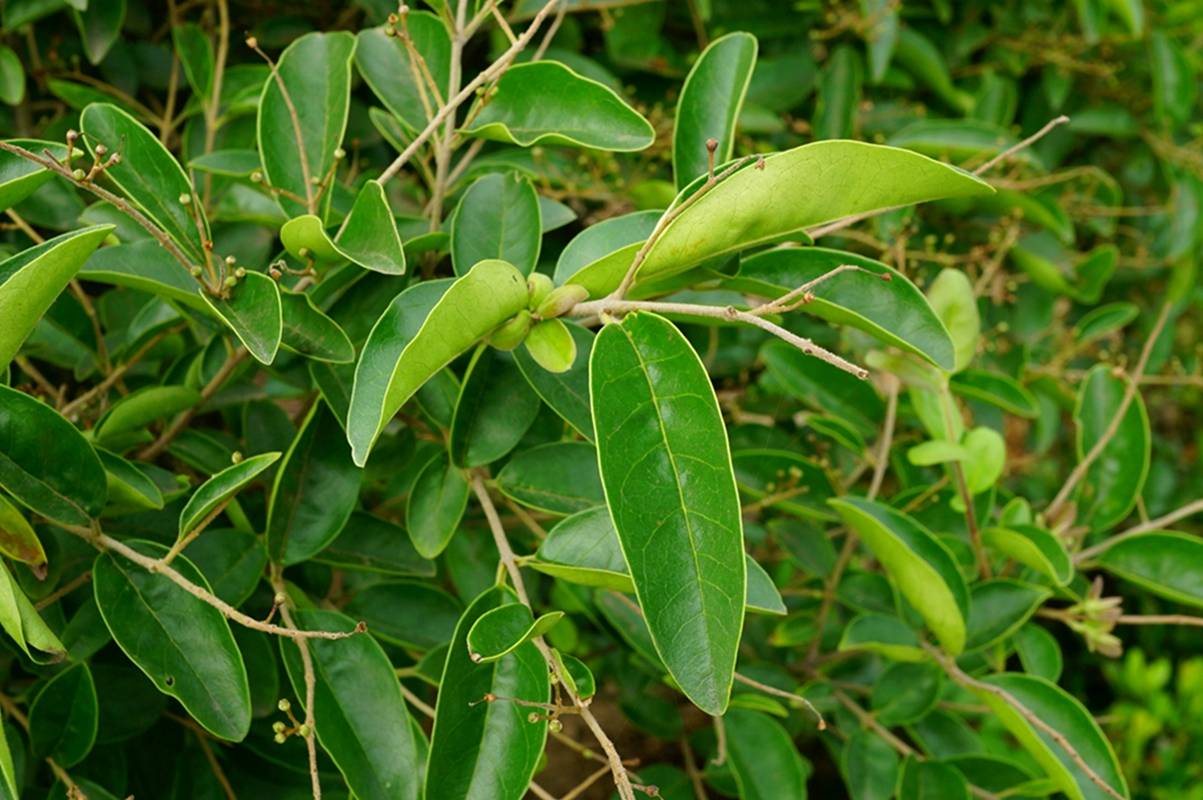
(497, 218)
(1163, 562)
(32, 279)
(1104, 319)
(952, 297)
(46, 464)
(1069, 718)
(545, 102)
(99, 27)
(407, 613)
(557, 477)
(986, 454)
(499, 632)
(550, 345)
(603, 248)
(25, 625)
(839, 95)
(315, 491)
(410, 343)
(881, 35)
(8, 775)
(308, 331)
(233, 163)
(436, 505)
(395, 78)
(19, 177)
(233, 562)
(364, 723)
(823, 385)
(17, 538)
(763, 757)
(195, 52)
(220, 488)
(481, 749)
(576, 674)
(917, 562)
(1038, 651)
(314, 72)
(998, 608)
(148, 175)
(666, 468)
(12, 77)
(370, 544)
(920, 779)
(894, 311)
(141, 407)
(145, 266)
(959, 140)
(566, 392)
(495, 408)
(711, 99)
(997, 389)
(1057, 269)
(63, 717)
(368, 238)
(182, 643)
(870, 767)
(904, 693)
(918, 56)
(1033, 547)
(792, 483)
(878, 633)
(1114, 481)
(254, 311)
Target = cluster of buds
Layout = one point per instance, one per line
(390, 26)
(1094, 618)
(102, 159)
(293, 727)
(545, 302)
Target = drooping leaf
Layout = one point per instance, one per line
(315, 491)
(499, 632)
(370, 544)
(19, 177)
(314, 72)
(32, 279)
(183, 644)
(221, 487)
(666, 469)
(497, 218)
(148, 175)
(482, 749)
(364, 722)
(1033, 547)
(1115, 480)
(953, 299)
(63, 717)
(21, 621)
(918, 563)
(546, 102)
(1069, 718)
(140, 408)
(255, 314)
(422, 330)
(99, 27)
(763, 757)
(46, 464)
(12, 77)
(711, 100)
(368, 238)
(17, 538)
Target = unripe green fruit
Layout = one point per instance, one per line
(539, 286)
(561, 301)
(512, 331)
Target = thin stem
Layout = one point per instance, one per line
(417, 702)
(310, 684)
(181, 422)
(1187, 510)
(117, 374)
(881, 460)
(286, 96)
(191, 535)
(833, 581)
(1160, 619)
(584, 785)
(1079, 472)
(1023, 145)
(958, 475)
(790, 697)
(720, 742)
(870, 722)
(61, 592)
(443, 145)
(561, 12)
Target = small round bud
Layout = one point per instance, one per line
(476, 657)
(490, 697)
(512, 332)
(196, 271)
(304, 252)
(252, 42)
(555, 726)
(236, 457)
(280, 599)
(185, 199)
(278, 727)
(230, 261)
(280, 738)
(711, 145)
(538, 286)
(240, 272)
(114, 159)
(230, 282)
(533, 717)
(101, 149)
(78, 174)
(340, 154)
(284, 705)
(72, 135)
(562, 300)
(275, 273)
(303, 730)
(256, 176)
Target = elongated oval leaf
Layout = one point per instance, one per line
(46, 464)
(495, 408)
(498, 217)
(878, 633)
(362, 720)
(919, 564)
(1033, 547)
(370, 544)
(1063, 713)
(499, 632)
(763, 757)
(309, 331)
(996, 389)
(255, 314)
(25, 625)
(1165, 563)
(146, 266)
(33, 278)
(17, 538)
(141, 407)
(385, 63)
(481, 749)
(558, 477)
(222, 487)
(315, 491)
(666, 468)
(436, 505)
(20, 177)
(711, 100)
(183, 644)
(894, 311)
(399, 357)
(1115, 479)
(63, 717)
(546, 102)
(407, 613)
(148, 175)
(368, 238)
(315, 71)
(998, 608)
(604, 247)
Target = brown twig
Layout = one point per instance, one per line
(180, 422)
(310, 727)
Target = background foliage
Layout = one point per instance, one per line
(228, 280)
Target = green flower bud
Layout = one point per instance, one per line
(551, 345)
(511, 332)
(561, 301)
(539, 286)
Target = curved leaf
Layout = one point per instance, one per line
(220, 488)
(17, 538)
(46, 464)
(146, 266)
(25, 625)
(996, 389)
(255, 313)
(409, 344)
(141, 407)
(63, 717)
(879, 633)
(711, 99)
(495, 408)
(499, 632)
(394, 77)
(407, 613)
(952, 297)
(567, 392)
(436, 505)
(368, 238)
(182, 643)
(33, 278)
(666, 469)
(20, 177)
(370, 544)
(1115, 479)
(998, 608)
(1165, 563)
(497, 218)
(310, 332)
(546, 102)
(919, 564)
(315, 70)
(1033, 547)
(315, 491)
(604, 247)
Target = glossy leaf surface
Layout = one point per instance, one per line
(711, 100)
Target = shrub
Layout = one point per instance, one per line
(678, 399)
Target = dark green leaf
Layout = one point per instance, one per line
(308, 331)
(998, 608)
(255, 313)
(567, 392)
(499, 632)
(436, 505)
(559, 477)
(497, 218)
(1115, 479)
(395, 78)
(495, 408)
(370, 544)
(63, 717)
(1165, 563)
(711, 99)
(408, 614)
(763, 757)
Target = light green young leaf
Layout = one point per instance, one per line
(221, 487)
(32, 279)
(551, 345)
(953, 299)
(12, 77)
(545, 102)
(1033, 547)
(500, 631)
(996, 389)
(711, 99)
(918, 563)
(369, 236)
(682, 537)
(409, 344)
(21, 621)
